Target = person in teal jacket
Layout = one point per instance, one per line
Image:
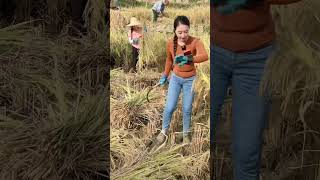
(158, 9)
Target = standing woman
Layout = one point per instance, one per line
(243, 40)
(135, 35)
(183, 51)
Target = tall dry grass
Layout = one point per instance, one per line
(53, 105)
(198, 14)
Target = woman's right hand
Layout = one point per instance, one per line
(163, 79)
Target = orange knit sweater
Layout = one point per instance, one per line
(199, 55)
(246, 29)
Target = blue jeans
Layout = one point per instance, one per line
(242, 71)
(177, 84)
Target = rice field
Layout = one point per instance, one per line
(135, 121)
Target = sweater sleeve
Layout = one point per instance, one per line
(169, 60)
(282, 1)
(202, 54)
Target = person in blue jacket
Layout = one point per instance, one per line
(158, 9)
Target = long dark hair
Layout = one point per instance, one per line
(179, 20)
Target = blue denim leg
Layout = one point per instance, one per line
(249, 112)
(174, 90)
(175, 85)
(188, 94)
(249, 109)
(220, 79)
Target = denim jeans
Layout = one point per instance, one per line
(177, 84)
(243, 72)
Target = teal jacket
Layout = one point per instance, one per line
(230, 6)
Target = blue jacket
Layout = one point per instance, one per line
(158, 6)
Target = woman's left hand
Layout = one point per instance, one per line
(185, 59)
(178, 59)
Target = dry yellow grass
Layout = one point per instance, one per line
(198, 15)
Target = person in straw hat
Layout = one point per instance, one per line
(135, 35)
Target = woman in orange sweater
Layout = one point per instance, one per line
(183, 51)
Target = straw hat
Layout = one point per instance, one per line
(134, 22)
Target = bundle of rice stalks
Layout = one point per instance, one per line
(197, 14)
(117, 21)
(125, 147)
(202, 90)
(129, 106)
(121, 50)
(201, 138)
(53, 108)
(94, 16)
(13, 35)
(153, 51)
(169, 164)
(62, 145)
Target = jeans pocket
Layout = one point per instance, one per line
(266, 51)
(258, 56)
(218, 50)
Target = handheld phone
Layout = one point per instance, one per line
(187, 53)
